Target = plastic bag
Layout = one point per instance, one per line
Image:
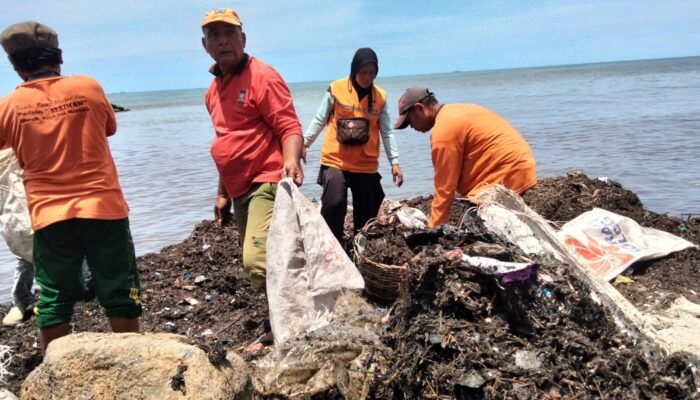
(15, 223)
(306, 266)
(608, 243)
(412, 217)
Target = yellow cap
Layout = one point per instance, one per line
(227, 15)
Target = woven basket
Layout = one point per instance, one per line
(383, 282)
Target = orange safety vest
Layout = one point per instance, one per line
(353, 158)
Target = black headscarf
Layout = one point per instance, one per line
(363, 56)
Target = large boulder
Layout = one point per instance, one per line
(134, 366)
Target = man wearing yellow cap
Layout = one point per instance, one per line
(258, 135)
(57, 127)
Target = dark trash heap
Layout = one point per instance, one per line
(461, 334)
(456, 333)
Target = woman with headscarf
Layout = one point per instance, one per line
(355, 114)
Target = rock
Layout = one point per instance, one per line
(134, 366)
(117, 108)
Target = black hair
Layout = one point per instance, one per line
(34, 58)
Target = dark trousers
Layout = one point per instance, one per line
(367, 196)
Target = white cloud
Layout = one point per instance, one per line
(315, 40)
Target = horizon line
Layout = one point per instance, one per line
(454, 72)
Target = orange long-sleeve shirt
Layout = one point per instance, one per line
(474, 148)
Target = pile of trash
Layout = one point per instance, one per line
(198, 289)
(462, 333)
(480, 318)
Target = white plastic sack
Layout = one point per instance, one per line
(412, 217)
(8, 164)
(499, 211)
(608, 243)
(15, 224)
(306, 266)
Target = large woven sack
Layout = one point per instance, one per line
(306, 266)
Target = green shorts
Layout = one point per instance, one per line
(59, 250)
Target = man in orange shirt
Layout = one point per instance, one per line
(57, 127)
(258, 135)
(472, 148)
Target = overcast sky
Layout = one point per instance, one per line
(137, 45)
